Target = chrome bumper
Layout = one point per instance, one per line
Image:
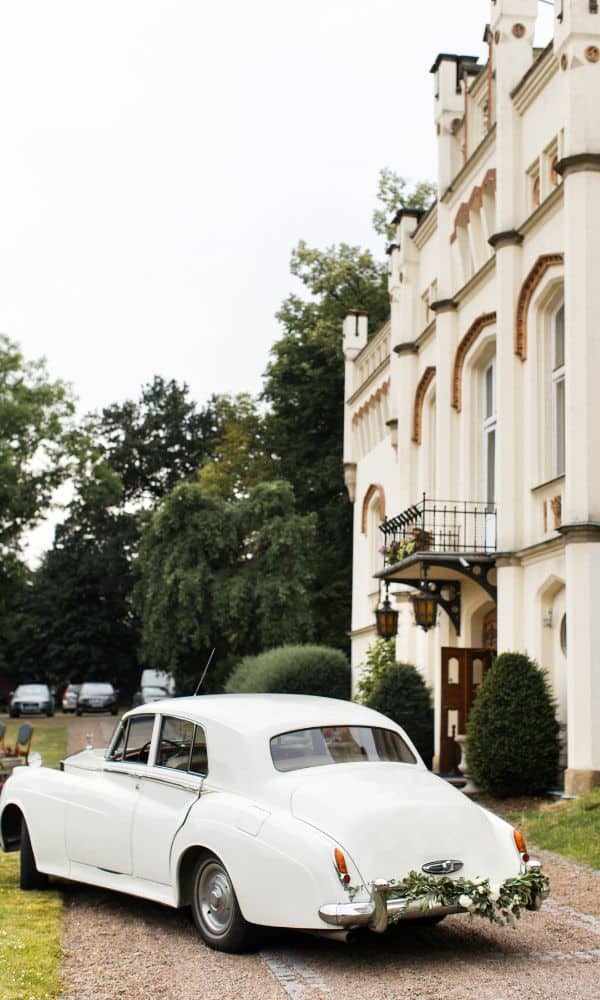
(375, 914)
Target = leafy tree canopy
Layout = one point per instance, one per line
(393, 193)
(304, 386)
(239, 456)
(155, 442)
(226, 575)
(34, 423)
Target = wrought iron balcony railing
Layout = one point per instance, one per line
(443, 526)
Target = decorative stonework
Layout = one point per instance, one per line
(474, 203)
(350, 479)
(374, 489)
(506, 238)
(426, 380)
(556, 508)
(486, 319)
(592, 53)
(542, 264)
(372, 401)
(518, 30)
(578, 163)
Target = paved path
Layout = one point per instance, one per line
(117, 946)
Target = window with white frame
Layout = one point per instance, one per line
(489, 431)
(558, 391)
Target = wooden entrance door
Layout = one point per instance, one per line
(462, 672)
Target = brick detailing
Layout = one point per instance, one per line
(474, 203)
(542, 264)
(486, 319)
(372, 401)
(426, 380)
(374, 488)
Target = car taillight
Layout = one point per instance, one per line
(342, 867)
(521, 845)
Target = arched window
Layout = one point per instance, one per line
(557, 356)
(489, 431)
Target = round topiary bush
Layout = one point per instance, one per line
(512, 733)
(399, 691)
(317, 670)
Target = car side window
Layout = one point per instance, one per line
(139, 738)
(175, 744)
(199, 758)
(182, 746)
(117, 744)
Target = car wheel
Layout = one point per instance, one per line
(13, 714)
(113, 711)
(30, 877)
(216, 911)
(77, 712)
(49, 714)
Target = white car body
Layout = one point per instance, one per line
(137, 828)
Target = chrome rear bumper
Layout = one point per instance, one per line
(375, 914)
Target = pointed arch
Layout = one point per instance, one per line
(486, 319)
(426, 380)
(373, 489)
(537, 272)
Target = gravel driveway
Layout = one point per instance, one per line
(118, 946)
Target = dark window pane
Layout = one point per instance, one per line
(175, 743)
(338, 745)
(139, 738)
(199, 761)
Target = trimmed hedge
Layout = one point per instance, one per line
(513, 744)
(317, 670)
(399, 691)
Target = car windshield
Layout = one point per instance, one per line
(97, 689)
(338, 745)
(154, 692)
(32, 689)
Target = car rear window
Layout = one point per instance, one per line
(338, 745)
(97, 689)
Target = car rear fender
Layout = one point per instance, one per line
(282, 870)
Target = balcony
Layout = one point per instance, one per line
(456, 537)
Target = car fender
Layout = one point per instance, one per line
(281, 868)
(39, 793)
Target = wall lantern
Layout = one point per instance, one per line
(386, 618)
(425, 608)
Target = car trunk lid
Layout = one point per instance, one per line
(394, 818)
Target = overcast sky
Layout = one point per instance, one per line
(160, 159)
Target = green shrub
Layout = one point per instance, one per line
(316, 670)
(381, 655)
(399, 691)
(513, 744)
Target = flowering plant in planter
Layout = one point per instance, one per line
(419, 541)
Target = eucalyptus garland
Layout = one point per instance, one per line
(499, 903)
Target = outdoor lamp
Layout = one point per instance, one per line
(386, 618)
(425, 608)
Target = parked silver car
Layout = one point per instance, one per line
(31, 699)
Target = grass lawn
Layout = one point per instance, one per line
(31, 922)
(571, 828)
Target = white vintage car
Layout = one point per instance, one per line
(276, 810)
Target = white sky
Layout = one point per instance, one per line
(161, 158)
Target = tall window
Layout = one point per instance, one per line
(558, 391)
(489, 431)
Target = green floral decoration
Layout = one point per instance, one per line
(501, 904)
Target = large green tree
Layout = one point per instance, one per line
(304, 386)
(228, 575)
(239, 455)
(35, 426)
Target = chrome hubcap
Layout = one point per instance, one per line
(215, 898)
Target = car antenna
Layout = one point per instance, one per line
(208, 662)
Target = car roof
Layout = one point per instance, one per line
(255, 713)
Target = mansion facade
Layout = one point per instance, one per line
(472, 417)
